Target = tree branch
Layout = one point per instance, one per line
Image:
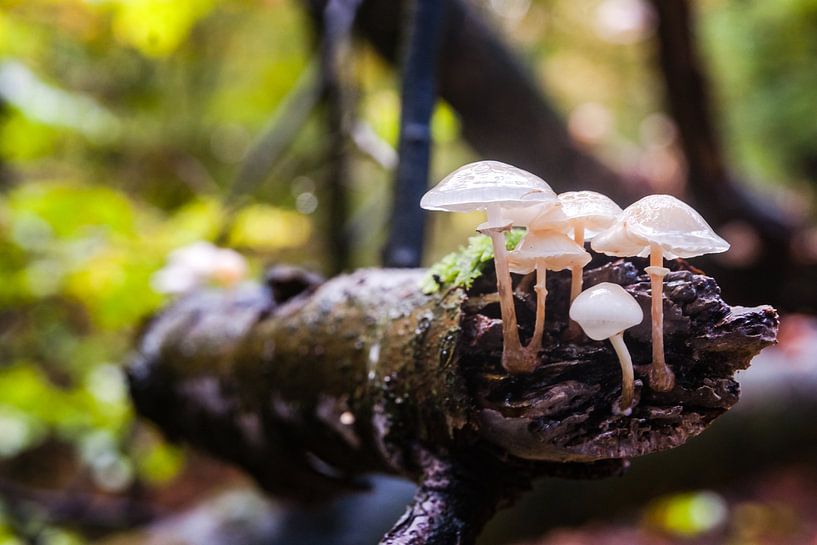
(288, 121)
(338, 18)
(451, 505)
(310, 387)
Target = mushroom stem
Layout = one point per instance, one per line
(576, 279)
(513, 357)
(535, 344)
(624, 405)
(661, 377)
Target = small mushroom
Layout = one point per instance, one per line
(659, 226)
(493, 186)
(540, 251)
(605, 311)
(525, 216)
(588, 213)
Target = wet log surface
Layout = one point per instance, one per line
(308, 386)
(569, 398)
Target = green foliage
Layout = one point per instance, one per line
(75, 281)
(762, 56)
(121, 124)
(461, 268)
(126, 120)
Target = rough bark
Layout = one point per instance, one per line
(309, 386)
(451, 505)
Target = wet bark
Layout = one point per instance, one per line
(308, 386)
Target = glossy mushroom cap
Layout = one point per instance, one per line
(476, 186)
(662, 220)
(524, 216)
(555, 249)
(605, 310)
(597, 212)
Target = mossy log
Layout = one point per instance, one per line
(309, 385)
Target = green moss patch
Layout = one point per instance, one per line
(461, 268)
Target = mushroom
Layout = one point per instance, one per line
(588, 213)
(584, 213)
(540, 251)
(605, 311)
(493, 186)
(659, 226)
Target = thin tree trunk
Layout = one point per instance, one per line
(717, 195)
(404, 246)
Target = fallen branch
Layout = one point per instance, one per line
(309, 386)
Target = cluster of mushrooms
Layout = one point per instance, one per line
(657, 226)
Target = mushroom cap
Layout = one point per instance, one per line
(476, 186)
(605, 310)
(556, 250)
(597, 212)
(662, 220)
(524, 216)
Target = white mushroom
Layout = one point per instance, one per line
(605, 311)
(493, 186)
(588, 213)
(525, 216)
(659, 226)
(540, 251)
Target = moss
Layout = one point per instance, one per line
(461, 268)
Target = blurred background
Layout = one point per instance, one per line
(130, 129)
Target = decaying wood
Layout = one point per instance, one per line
(308, 386)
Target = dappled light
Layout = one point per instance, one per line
(224, 311)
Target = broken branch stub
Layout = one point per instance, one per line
(361, 373)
